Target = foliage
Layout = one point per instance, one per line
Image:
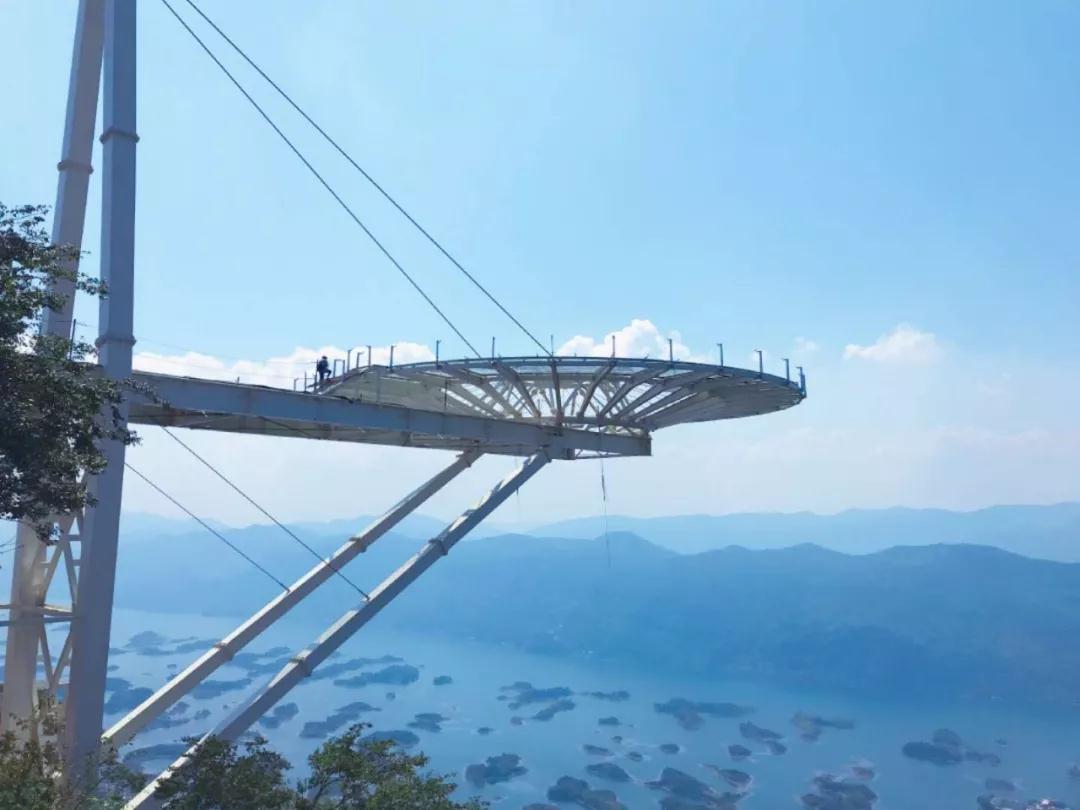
(29, 781)
(219, 775)
(346, 772)
(351, 772)
(55, 410)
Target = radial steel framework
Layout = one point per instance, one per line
(538, 408)
(616, 396)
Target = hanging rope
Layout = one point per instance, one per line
(322, 181)
(603, 492)
(205, 525)
(258, 506)
(386, 194)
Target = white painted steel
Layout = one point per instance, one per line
(306, 661)
(69, 215)
(19, 701)
(621, 396)
(239, 408)
(92, 619)
(223, 651)
(29, 585)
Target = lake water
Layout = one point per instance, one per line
(1037, 753)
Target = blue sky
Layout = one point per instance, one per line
(900, 179)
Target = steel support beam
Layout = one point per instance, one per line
(515, 380)
(91, 623)
(663, 384)
(329, 417)
(26, 625)
(600, 375)
(628, 386)
(69, 215)
(223, 651)
(29, 584)
(338, 633)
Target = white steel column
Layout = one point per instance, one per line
(69, 215)
(340, 631)
(26, 624)
(223, 651)
(28, 581)
(93, 609)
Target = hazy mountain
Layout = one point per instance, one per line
(141, 523)
(941, 620)
(932, 613)
(938, 620)
(1049, 532)
(412, 526)
(137, 524)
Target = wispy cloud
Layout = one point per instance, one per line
(278, 372)
(639, 338)
(904, 344)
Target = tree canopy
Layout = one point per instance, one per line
(55, 408)
(346, 772)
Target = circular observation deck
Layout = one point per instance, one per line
(617, 395)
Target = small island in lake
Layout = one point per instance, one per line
(500, 768)
(688, 713)
(577, 791)
(609, 771)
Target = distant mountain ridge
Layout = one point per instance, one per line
(1047, 532)
(940, 621)
(923, 617)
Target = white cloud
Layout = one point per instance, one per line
(639, 338)
(804, 346)
(856, 442)
(904, 344)
(278, 372)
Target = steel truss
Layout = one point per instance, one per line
(304, 663)
(223, 651)
(36, 565)
(103, 54)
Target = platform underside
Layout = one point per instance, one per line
(569, 406)
(618, 395)
(259, 410)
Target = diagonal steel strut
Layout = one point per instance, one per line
(340, 631)
(224, 650)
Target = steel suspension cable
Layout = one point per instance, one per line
(205, 525)
(273, 519)
(378, 187)
(315, 173)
